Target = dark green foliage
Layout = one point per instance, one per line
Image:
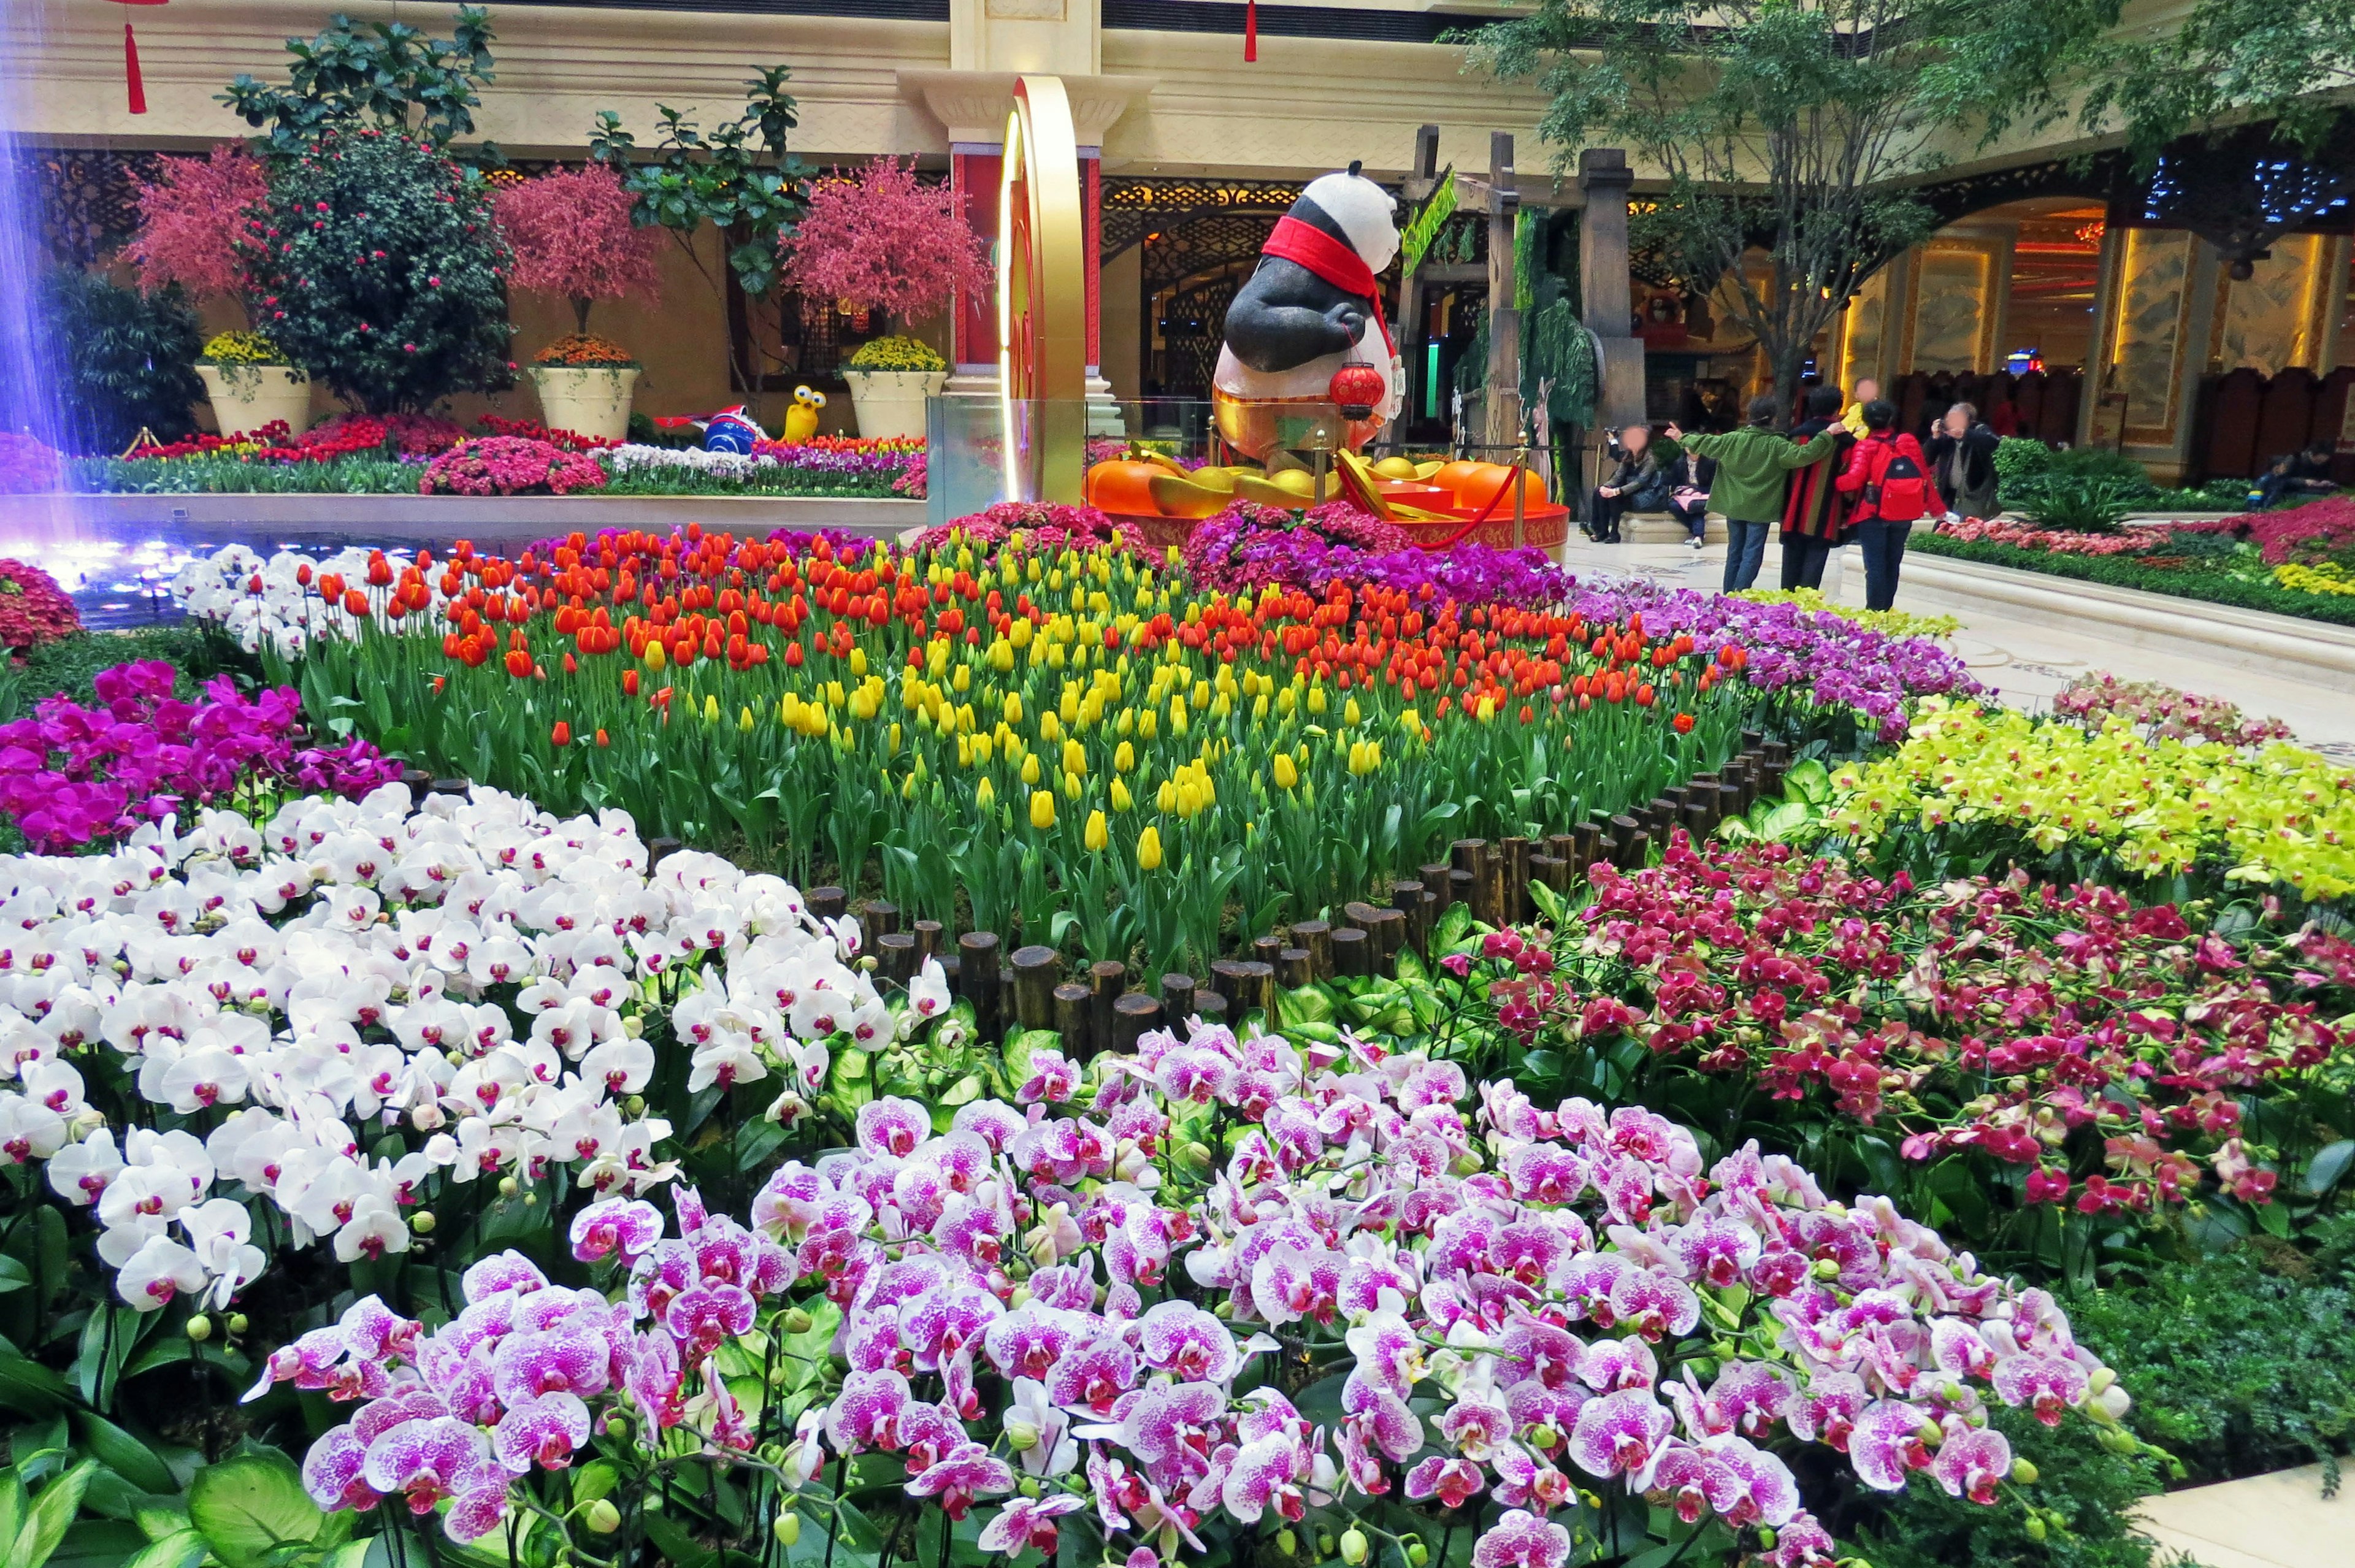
(1786, 127)
(382, 276)
(129, 359)
(738, 178)
(2240, 1362)
(2124, 571)
(385, 75)
(66, 665)
(2090, 1488)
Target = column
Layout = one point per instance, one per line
(1603, 177)
(974, 170)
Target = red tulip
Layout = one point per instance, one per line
(561, 734)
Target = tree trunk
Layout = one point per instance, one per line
(581, 314)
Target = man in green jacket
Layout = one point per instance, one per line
(1753, 466)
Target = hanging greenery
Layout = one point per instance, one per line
(1556, 346)
(1435, 211)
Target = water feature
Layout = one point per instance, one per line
(31, 374)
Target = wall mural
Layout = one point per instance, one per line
(2157, 271)
(2269, 319)
(1951, 306)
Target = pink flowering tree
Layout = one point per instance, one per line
(189, 216)
(572, 235)
(883, 240)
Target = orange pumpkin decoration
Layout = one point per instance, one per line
(1474, 484)
(1123, 485)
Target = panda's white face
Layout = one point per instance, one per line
(1365, 212)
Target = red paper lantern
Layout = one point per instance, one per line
(1356, 387)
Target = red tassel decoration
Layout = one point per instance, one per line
(1250, 31)
(131, 76)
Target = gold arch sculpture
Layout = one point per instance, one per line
(1042, 321)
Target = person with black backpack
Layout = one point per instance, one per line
(1890, 478)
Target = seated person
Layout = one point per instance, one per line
(1640, 482)
(2301, 473)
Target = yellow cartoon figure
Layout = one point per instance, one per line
(801, 420)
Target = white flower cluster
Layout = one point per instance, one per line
(263, 1006)
(634, 458)
(278, 602)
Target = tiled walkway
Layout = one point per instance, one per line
(2027, 664)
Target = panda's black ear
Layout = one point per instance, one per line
(1355, 164)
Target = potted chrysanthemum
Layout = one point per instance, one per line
(885, 242)
(572, 236)
(252, 385)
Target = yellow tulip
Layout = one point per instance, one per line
(1043, 809)
(745, 723)
(1121, 799)
(984, 797)
(1050, 728)
(1123, 758)
(654, 659)
(1349, 713)
(1096, 835)
(1030, 768)
(1165, 798)
(859, 661)
(1014, 708)
(711, 709)
(1287, 775)
(1487, 710)
(1316, 703)
(963, 679)
(1071, 786)
(1148, 849)
(1075, 758)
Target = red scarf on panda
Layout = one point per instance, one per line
(1332, 261)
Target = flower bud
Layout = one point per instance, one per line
(1766, 1540)
(797, 1321)
(602, 1516)
(421, 1221)
(617, 1425)
(509, 1186)
(1828, 1268)
(200, 1327)
(237, 1323)
(788, 1528)
(1353, 1546)
(1287, 1542)
(1544, 1437)
(1417, 1553)
(1326, 1544)
(2023, 1472)
(2035, 1527)
(1021, 1436)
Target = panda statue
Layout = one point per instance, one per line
(1308, 311)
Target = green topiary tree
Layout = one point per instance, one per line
(129, 359)
(379, 269)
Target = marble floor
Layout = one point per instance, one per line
(2281, 1520)
(2025, 664)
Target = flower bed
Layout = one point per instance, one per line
(2188, 560)
(1992, 783)
(1046, 1303)
(392, 454)
(1072, 745)
(2092, 1053)
(1027, 775)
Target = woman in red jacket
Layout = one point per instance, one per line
(1890, 478)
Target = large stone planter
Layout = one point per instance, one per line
(247, 397)
(591, 401)
(891, 402)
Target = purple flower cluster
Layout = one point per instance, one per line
(70, 776)
(1825, 656)
(1249, 546)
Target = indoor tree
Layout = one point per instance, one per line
(1787, 129)
(387, 76)
(572, 236)
(377, 266)
(884, 240)
(740, 178)
(190, 215)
